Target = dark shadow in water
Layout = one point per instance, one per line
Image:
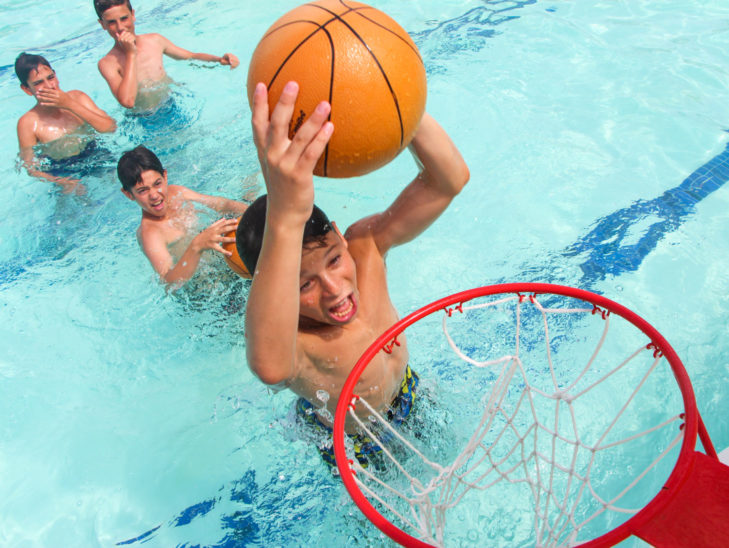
(468, 32)
(604, 249)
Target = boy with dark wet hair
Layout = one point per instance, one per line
(133, 68)
(315, 305)
(59, 120)
(168, 216)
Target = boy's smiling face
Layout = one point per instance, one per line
(118, 19)
(150, 193)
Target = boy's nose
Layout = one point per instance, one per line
(330, 285)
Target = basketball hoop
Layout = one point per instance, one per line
(573, 433)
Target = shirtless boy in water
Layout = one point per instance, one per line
(59, 119)
(168, 214)
(313, 310)
(133, 67)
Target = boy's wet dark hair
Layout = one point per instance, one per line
(249, 235)
(135, 162)
(25, 63)
(102, 5)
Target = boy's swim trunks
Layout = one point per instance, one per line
(396, 413)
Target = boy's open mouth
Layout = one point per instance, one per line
(344, 310)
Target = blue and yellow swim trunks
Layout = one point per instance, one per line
(396, 413)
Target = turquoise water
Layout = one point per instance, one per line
(596, 137)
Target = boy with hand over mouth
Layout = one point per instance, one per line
(133, 68)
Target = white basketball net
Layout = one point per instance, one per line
(547, 453)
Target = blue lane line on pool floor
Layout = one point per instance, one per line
(605, 245)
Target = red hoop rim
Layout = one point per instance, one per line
(620, 533)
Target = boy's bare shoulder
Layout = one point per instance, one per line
(361, 229)
(77, 94)
(110, 60)
(28, 119)
(151, 38)
(149, 233)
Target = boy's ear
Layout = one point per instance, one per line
(128, 194)
(336, 229)
(26, 89)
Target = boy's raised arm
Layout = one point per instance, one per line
(218, 203)
(443, 173)
(272, 314)
(176, 52)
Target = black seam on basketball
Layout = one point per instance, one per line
(294, 50)
(338, 17)
(325, 165)
(359, 11)
(408, 44)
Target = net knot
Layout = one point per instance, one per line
(597, 310)
(657, 352)
(459, 308)
(353, 402)
(388, 347)
(564, 396)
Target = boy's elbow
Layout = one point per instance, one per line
(460, 177)
(266, 372)
(268, 376)
(465, 175)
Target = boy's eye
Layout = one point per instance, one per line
(335, 260)
(306, 285)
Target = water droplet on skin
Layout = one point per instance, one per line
(322, 395)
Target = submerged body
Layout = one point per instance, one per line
(60, 125)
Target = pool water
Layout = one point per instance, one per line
(596, 135)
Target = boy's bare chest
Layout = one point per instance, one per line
(150, 67)
(60, 124)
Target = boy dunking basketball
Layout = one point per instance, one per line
(313, 309)
(133, 67)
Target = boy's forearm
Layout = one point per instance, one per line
(439, 158)
(101, 122)
(225, 205)
(186, 267)
(126, 93)
(206, 57)
(272, 312)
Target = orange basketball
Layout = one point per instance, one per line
(234, 261)
(362, 62)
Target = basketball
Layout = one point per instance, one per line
(359, 60)
(234, 261)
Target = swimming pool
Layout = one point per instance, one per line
(596, 136)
